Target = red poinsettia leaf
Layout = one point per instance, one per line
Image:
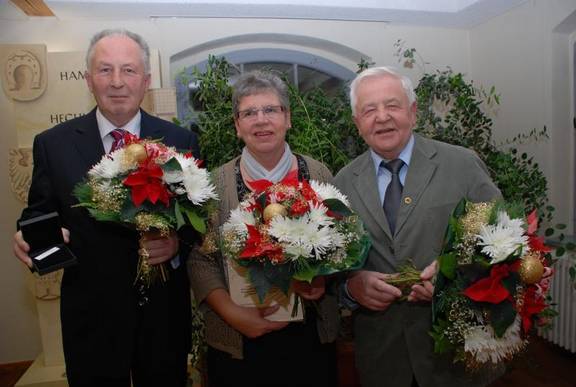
(165, 196)
(532, 222)
(252, 246)
(153, 191)
(254, 236)
(154, 171)
(490, 289)
(532, 305)
(269, 248)
(249, 252)
(135, 178)
(536, 243)
(138, 195)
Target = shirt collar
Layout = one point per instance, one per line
(405, 155)
(105, 126)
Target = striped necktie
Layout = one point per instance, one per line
(118, 135)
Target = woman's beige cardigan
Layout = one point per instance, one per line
(207, 272)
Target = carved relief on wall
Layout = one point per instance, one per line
(20, 172)
(23, 71)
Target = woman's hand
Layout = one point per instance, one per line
(310, 291)
(252, 322)
(249, 321)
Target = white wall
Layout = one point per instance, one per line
(512, 51)
(526, 54)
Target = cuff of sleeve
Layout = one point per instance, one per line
(175, 262)
(345, 299)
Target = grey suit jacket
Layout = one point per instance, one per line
(393, 345)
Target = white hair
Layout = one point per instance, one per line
(144, 50)
(382, 71)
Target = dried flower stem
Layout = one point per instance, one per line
(406, 276)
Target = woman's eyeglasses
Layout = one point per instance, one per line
(270, 112)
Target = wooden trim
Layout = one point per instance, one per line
(11, 372)
(33, 7)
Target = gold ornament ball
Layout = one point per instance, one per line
(531, 270)
(272, 210)
(136, 152)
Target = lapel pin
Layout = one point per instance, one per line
(407, 200)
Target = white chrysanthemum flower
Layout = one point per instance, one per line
(293, 252)
(321, 241)
(338, 239)
(195, 180)
(317, 214)
(289, 230)
(516, 224)
(502, 239)
(109, 167)
(302, 234)
(328, 191)
(238, 220)
(485, 347)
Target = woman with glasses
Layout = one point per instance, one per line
(244, 347)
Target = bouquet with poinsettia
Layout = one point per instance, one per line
(491, 288)
(150, 187)
(293, 230)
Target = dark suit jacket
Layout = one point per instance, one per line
(394, 344)
(101, 322)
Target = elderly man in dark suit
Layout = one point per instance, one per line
(109, 340)
(404, 188)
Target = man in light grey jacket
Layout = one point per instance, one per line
(404, 188)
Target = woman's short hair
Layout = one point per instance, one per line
(258, 82)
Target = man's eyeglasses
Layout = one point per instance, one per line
(271, 112)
